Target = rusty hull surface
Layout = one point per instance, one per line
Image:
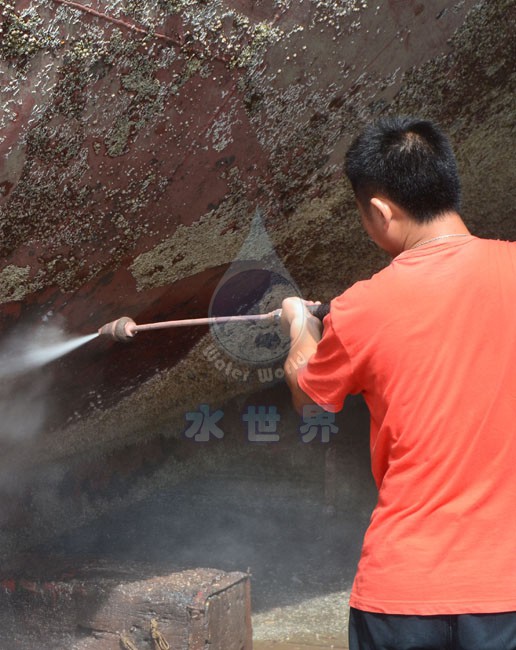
(138, 140)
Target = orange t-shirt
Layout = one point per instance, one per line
(430, 342)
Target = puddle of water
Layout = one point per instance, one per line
(280, 645)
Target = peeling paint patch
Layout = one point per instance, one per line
(189, 250)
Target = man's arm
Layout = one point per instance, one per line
(305, 333)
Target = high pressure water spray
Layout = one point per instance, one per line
(125, 329)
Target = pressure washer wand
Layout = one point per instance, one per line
(124, 329)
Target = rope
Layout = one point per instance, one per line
(126, 643)
(157, 637)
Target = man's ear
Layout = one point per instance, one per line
(383, 211)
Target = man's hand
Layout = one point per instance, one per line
(294, 311)
(305, 332)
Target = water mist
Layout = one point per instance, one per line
(33, 348)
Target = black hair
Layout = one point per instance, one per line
(408, 160)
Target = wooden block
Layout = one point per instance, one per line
(98, 605)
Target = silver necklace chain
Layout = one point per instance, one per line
(464, 234)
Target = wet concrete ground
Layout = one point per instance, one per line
(319, 623)
(258, 645)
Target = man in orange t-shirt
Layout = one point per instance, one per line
(430, 342)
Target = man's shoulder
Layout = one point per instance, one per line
(501, 248)
(489, 242)
(363, 297)
(378, 292)
(366, 289)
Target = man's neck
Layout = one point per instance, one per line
(445, 226)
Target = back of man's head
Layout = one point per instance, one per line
(409, 161)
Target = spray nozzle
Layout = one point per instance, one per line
(122, 329)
